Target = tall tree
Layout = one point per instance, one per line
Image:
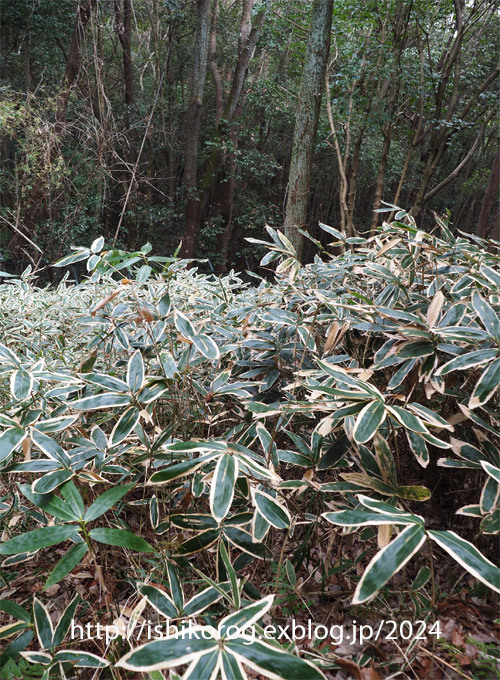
(486, 225)
(306, 121)
(193, 123)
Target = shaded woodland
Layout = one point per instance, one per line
(202, 121)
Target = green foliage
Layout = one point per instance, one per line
(170, 403)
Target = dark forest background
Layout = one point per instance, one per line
(204, 120)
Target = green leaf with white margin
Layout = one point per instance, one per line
(201, 601)
(56, 424)
(126, 423)
(21, 384)
(408, 420)
(272, 662)
(388, 562)
(429, 417)
(465, 361)
(272, 511)
(159, 600)
(51, 481)
(487, 315)
(199, 542)
(222, 487)
(121, 538)
(10, 440)
(175, 586)
(107, 400)
(238, 621)
(106, 501)
(73, 257)
(42, 658)
(183, 325)
(37, 539)
(65, 620)
(135, 371)
(368, 421)
(387, 509)
(169, 652)
(243, 540)
(51, 448)
(80, 659)
(206, 667)
(11, 629)
(469, 557)
(231, 574)
(360, 518)
(491, 470)
(232, 668)
(206, 346)
(179, 469)
(486, 386)
(108, 382)
(43, 624)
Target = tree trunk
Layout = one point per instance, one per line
(193, 123)
(489, 201)
(306, 121)
(124, 30)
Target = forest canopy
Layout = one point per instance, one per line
(179, 120)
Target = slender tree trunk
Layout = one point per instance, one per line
(306, 121)
(193, 124)
(489, 201)
(124, 30)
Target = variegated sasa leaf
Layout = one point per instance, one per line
(468, 360)
(80, 659)
(231, 574)
(469, 557)
(51, 448)
(10, 440)
(273, 512)
(245, 618)
(21, 384)
(222, 489)
(135, 371)
(98, 401)
(125, 425)
(169, 652)
(491, 470)
(160, 600)
(360, 518)
(205, 666)
(206, 346)
(387, 509)
(43, 624)
(368, 421)
(270, 661)
(487, 314)
(486, 386)
(183, 325)
(199, 602)
(388, 562)
(179, 470)
(243, 541)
